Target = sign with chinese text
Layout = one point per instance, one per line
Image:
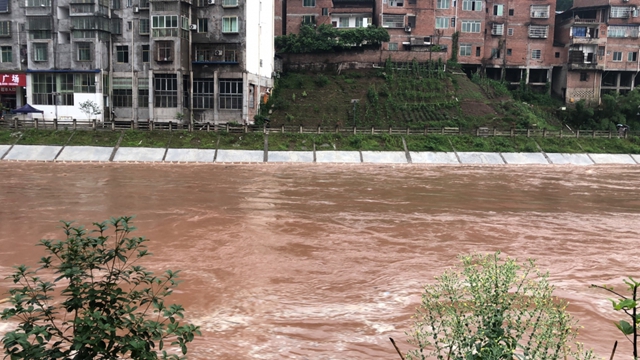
(13, 80)
(8, 89)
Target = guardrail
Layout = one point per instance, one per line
(17, 124)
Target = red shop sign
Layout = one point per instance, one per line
(13, 80)
(8, 89)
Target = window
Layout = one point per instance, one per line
(359, 22)
(540, 11)
(165, 90)
(510, 31)
(84, 83)
(308, 19)
(38, 3)
(122, 92)
(465, 49)
(143, 29)
(393, 46)
(230, 94)
(203, 25)
(495, 53)
(143, 92)
(620, 11)
(65, 84)
(557, 55)
(184, 22)
(497, 29)
(5, 28)
(453, 22)
(632, 56)
(164, 51)
(536, 54)
(164, 25)
(442, 22)
(7, 54)
(442, 4)
(309, 3)
(43, 88)
(477, 50)
(230, 56)
(122, 54)
(538, 31)
(622, 31)
(470, 26)
(584, 76)
(232, 3)
(115, 4)
(203, 93)
(510, 12)
(4, 6)
(509, 52)
(145, 53)
(202, 3)
(617, 56)
(471, 5)
(230, 24)
(42, 35)
(396, 3)
(40, 52)
(392, 21)
(325, 11)
(344, 22)
(84, 51)
(498, 10)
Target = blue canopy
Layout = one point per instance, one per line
(27, 109)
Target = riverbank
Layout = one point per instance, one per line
(52, 153)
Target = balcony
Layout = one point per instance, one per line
(584, 40)
(579, 60)
(579, 20)
(37, 10)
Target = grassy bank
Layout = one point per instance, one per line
(324, 141)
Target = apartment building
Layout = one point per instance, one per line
(600, 40)
(162, 60)
(291, 14)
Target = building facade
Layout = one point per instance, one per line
(600, 41)
(206, 61)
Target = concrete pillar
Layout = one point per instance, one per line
(245, 98)
(528, 74)
(216, 93)
(152, 113)
(618, 75)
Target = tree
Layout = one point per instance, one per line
(90, 108)
(110, 307)
(493, 309)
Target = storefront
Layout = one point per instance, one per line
(12, 91)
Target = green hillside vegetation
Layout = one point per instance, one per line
(403, 95)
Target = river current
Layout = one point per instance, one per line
(328, 261)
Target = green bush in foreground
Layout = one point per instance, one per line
(111, 308)
(493, 308)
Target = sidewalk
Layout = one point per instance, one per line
(123, 154)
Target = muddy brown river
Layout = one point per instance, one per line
(327, 261)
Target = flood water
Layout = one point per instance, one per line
(328, 261)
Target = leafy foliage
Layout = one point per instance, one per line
(326, 38)
(493, 309)
(111, 308)
(630, 307)
(90, 108)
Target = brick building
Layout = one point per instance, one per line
(600, 41)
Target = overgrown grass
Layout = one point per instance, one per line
(494, 144)
(609, 146)
(8, 137)
(290, 142)
(428, 143)
(248, 141)
(94, 138)
(198, 139)
(154, 139)
(44, 137)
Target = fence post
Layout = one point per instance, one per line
(426, 130)
(170, 126)
(513, 133)
(544, 133)
(609, 134)
(560, 133)
(75, 124)
(151, 126)
(300, 129)
(35, 123)
(625, 134)
(131, 124)
(245, 128)
(227, 127)
(477, 131)
(208, 127)
(319, 131)
(15, 123)
(459, 131)
(390, 130)
(407, 130)
(55, 124)
(337, 128)
(282, 129)
(577, 133)
(442, 130)
(354, 130)
(93, 123)
(373, 131)
(494, 131)
(528, 132)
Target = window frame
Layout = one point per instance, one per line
(82, 47)
(443, 4)
(498, 10)
(309, 3)
(144, 26)
(165, 90)
(538, 31)
(392, 21)
(536, 54)
(470, 25)
(632, 56)
(203, 93)
(230, 100)
(43, 50)
(6, 54)
(5, 28)
(616, 56)
(439, 25)
(463, 50)
(122, 54)
(203, 25)
(228, 23)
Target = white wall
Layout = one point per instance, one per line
(259, 25)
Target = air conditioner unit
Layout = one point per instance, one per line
(211, 2)
(218, 53)
(193, 27)
(136, 9)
